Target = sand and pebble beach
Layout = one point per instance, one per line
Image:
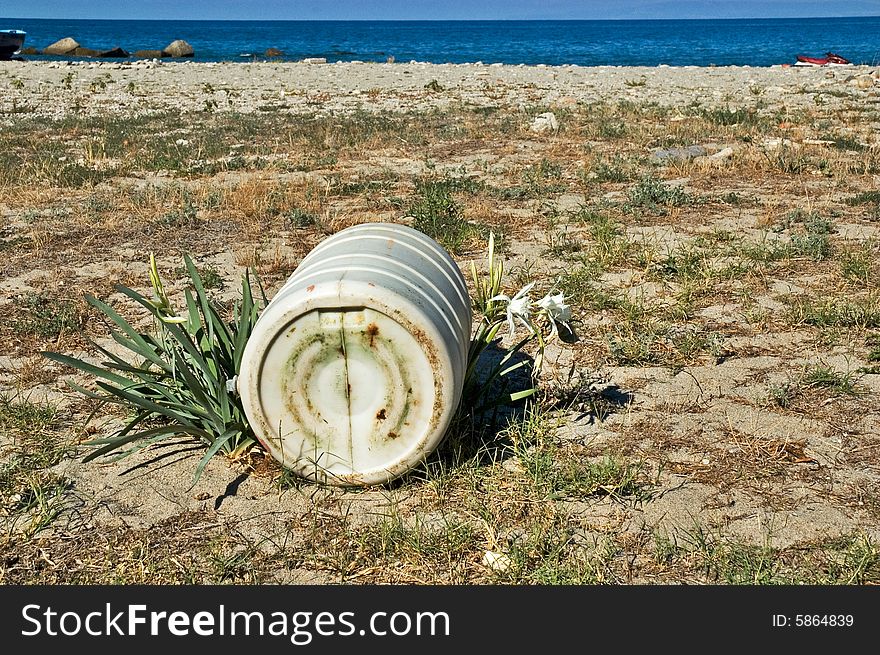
(714, 228)
(53, 89)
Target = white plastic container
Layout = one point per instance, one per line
(355, 368)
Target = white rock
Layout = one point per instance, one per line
(775, 143)
(721, 155)
(513, 465)
(496, 561)
(545, 123)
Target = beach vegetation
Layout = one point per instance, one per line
(560, 241)
(873, 354)
(581, 285)
(654, 195)
(864, 198)
(552, 473)
(838, 312)
(823, 376)
(788, 160)
(729, 116)
(868, 199)
(859, 267)
(33, 495)
(436, 212)
(722, 559)
(612, 129)
(618, 169)
(748, 282)
(609, 245)
(179, 380)
(46, 316)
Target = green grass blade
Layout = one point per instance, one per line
(143, 347)
(85, 367)
(213, 449)
(224, 407)
(198, 359)
(192, 310)
(132, 424)
(519, 395)
(176, 412)
(246, 320)
(164, 431)
(214, 325)
(146, 350)
(195, 387)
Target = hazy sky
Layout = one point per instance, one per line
(433, 9)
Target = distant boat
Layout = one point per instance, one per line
(10, 42)
(830, 59)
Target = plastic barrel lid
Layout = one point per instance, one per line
(353, 372)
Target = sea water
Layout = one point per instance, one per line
(754, 42)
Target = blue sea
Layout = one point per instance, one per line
(754, 42)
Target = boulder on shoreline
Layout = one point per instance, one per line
(91, 52)
(30, 50)
(178, 48)
(149, 54)
(114, 52)
(85, 52)
(63, 46)
(273, 52)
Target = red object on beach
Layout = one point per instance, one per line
(836, 59)
(829, 58)
(812, 61)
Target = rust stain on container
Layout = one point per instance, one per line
(380, 415)
(372, 331)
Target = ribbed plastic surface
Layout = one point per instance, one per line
(355, 368)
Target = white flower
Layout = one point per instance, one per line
(182, 142)
(556, 310)
(518, 307)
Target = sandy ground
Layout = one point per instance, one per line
(719, 455)
(54, 89)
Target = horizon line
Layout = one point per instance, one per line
(438, 20)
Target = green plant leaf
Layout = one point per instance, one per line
(176, 374)
(142, 347)
(213, 449)
(85, 367)
(112, 444)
